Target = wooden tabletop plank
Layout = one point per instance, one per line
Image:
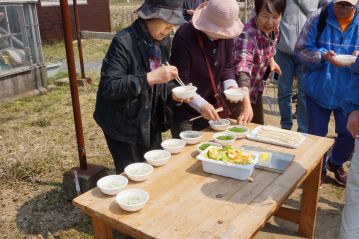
(219, 222)
(184, 200)
(259, 211)
(166, 186)
(211, 197)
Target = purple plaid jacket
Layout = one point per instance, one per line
(252, 53)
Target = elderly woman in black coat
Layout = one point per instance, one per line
(131, 102)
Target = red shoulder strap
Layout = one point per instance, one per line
(200, 42)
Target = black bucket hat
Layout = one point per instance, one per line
(170, 11)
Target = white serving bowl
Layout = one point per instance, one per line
(209, 144)
(112, 184)
(219, 125)
(345, 60)
(173, 145)
(138, 171)
(184, 92)
(132, 200)
(240, 134)
(222, 141)
(234, 94)
(191, 136)
(157, 157)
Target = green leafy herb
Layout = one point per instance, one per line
(225, 137)
(204, 146)
(238, 129)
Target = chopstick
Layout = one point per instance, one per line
(220, 109)
(178, 79)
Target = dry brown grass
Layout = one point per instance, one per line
(37, 146)
(122, 16)
(38, 137)
(93, 50)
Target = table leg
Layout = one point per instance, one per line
(309, 202)
(100, 229)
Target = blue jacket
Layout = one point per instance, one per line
(351, 101)
(324, 83)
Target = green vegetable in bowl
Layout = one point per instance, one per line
(225, 137)
(238, 129)
(204, 146)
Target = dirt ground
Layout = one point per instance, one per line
(36, 207)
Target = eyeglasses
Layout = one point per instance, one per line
(344, 6)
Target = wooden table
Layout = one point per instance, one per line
(185, 202)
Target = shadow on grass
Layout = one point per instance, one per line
(50, 213)
(327, 226)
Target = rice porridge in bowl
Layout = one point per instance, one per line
(132, 200)
(157, 157)
(184, 92)
(138, 171)
(219, 125)
(112, 184)
(173, 145)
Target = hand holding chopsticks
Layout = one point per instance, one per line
(177, 78)
(162, 75)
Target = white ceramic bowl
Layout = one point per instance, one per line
(200, 148)
(173, 145)
(234, 94)
(239, 130)
(191, 136)
(138, 171)
(157, 157)
(219, 125)
(184, 92)
(112, 184)
(345, 60)
(224, 142)
(132, 200)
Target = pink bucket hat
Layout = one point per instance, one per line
(218, 19)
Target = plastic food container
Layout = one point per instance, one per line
(236, 171)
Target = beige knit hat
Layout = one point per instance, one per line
(218, 19)
(352, 2)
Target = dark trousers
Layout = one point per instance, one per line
(124, 154)
(318, 120)
(258, 114)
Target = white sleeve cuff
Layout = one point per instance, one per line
(197, 103)
(229, 83)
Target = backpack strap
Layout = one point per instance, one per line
(321, 22)
(301, 8)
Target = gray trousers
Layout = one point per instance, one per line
(350, 218)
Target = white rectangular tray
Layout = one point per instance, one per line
(236, 171)
(252, 135)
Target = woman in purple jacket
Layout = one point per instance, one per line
(214, 25)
